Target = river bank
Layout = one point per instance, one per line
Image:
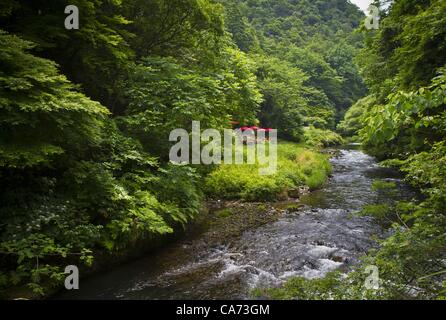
(246, 246)
(300, 169)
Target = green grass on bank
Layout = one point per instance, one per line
(299, 288)
(297, 166)
(322, 138)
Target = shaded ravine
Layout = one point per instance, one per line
(322, 236)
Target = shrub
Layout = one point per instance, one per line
(297, 166)
(321, 138)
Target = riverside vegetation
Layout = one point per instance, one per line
(402, 122)
(86, 115)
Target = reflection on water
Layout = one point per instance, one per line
(321, 237)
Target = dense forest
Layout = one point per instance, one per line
(402, 122)
(85, 117)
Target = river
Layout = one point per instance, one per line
(322, 236)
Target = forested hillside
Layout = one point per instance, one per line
(85, 119)
(86, 114)
(303, 52)
(401, 121)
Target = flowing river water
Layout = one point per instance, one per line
(321, 236)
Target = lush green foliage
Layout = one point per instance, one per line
(71, 182)
(297, 167)
(412, 121)
(408, 48)
(403, 121)
(42, 115)
(321, 138)
(85, 114)
(282, 86)
(411, 261)
(164, 95)
(304, 52)
(353, 120)
(78, 179)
